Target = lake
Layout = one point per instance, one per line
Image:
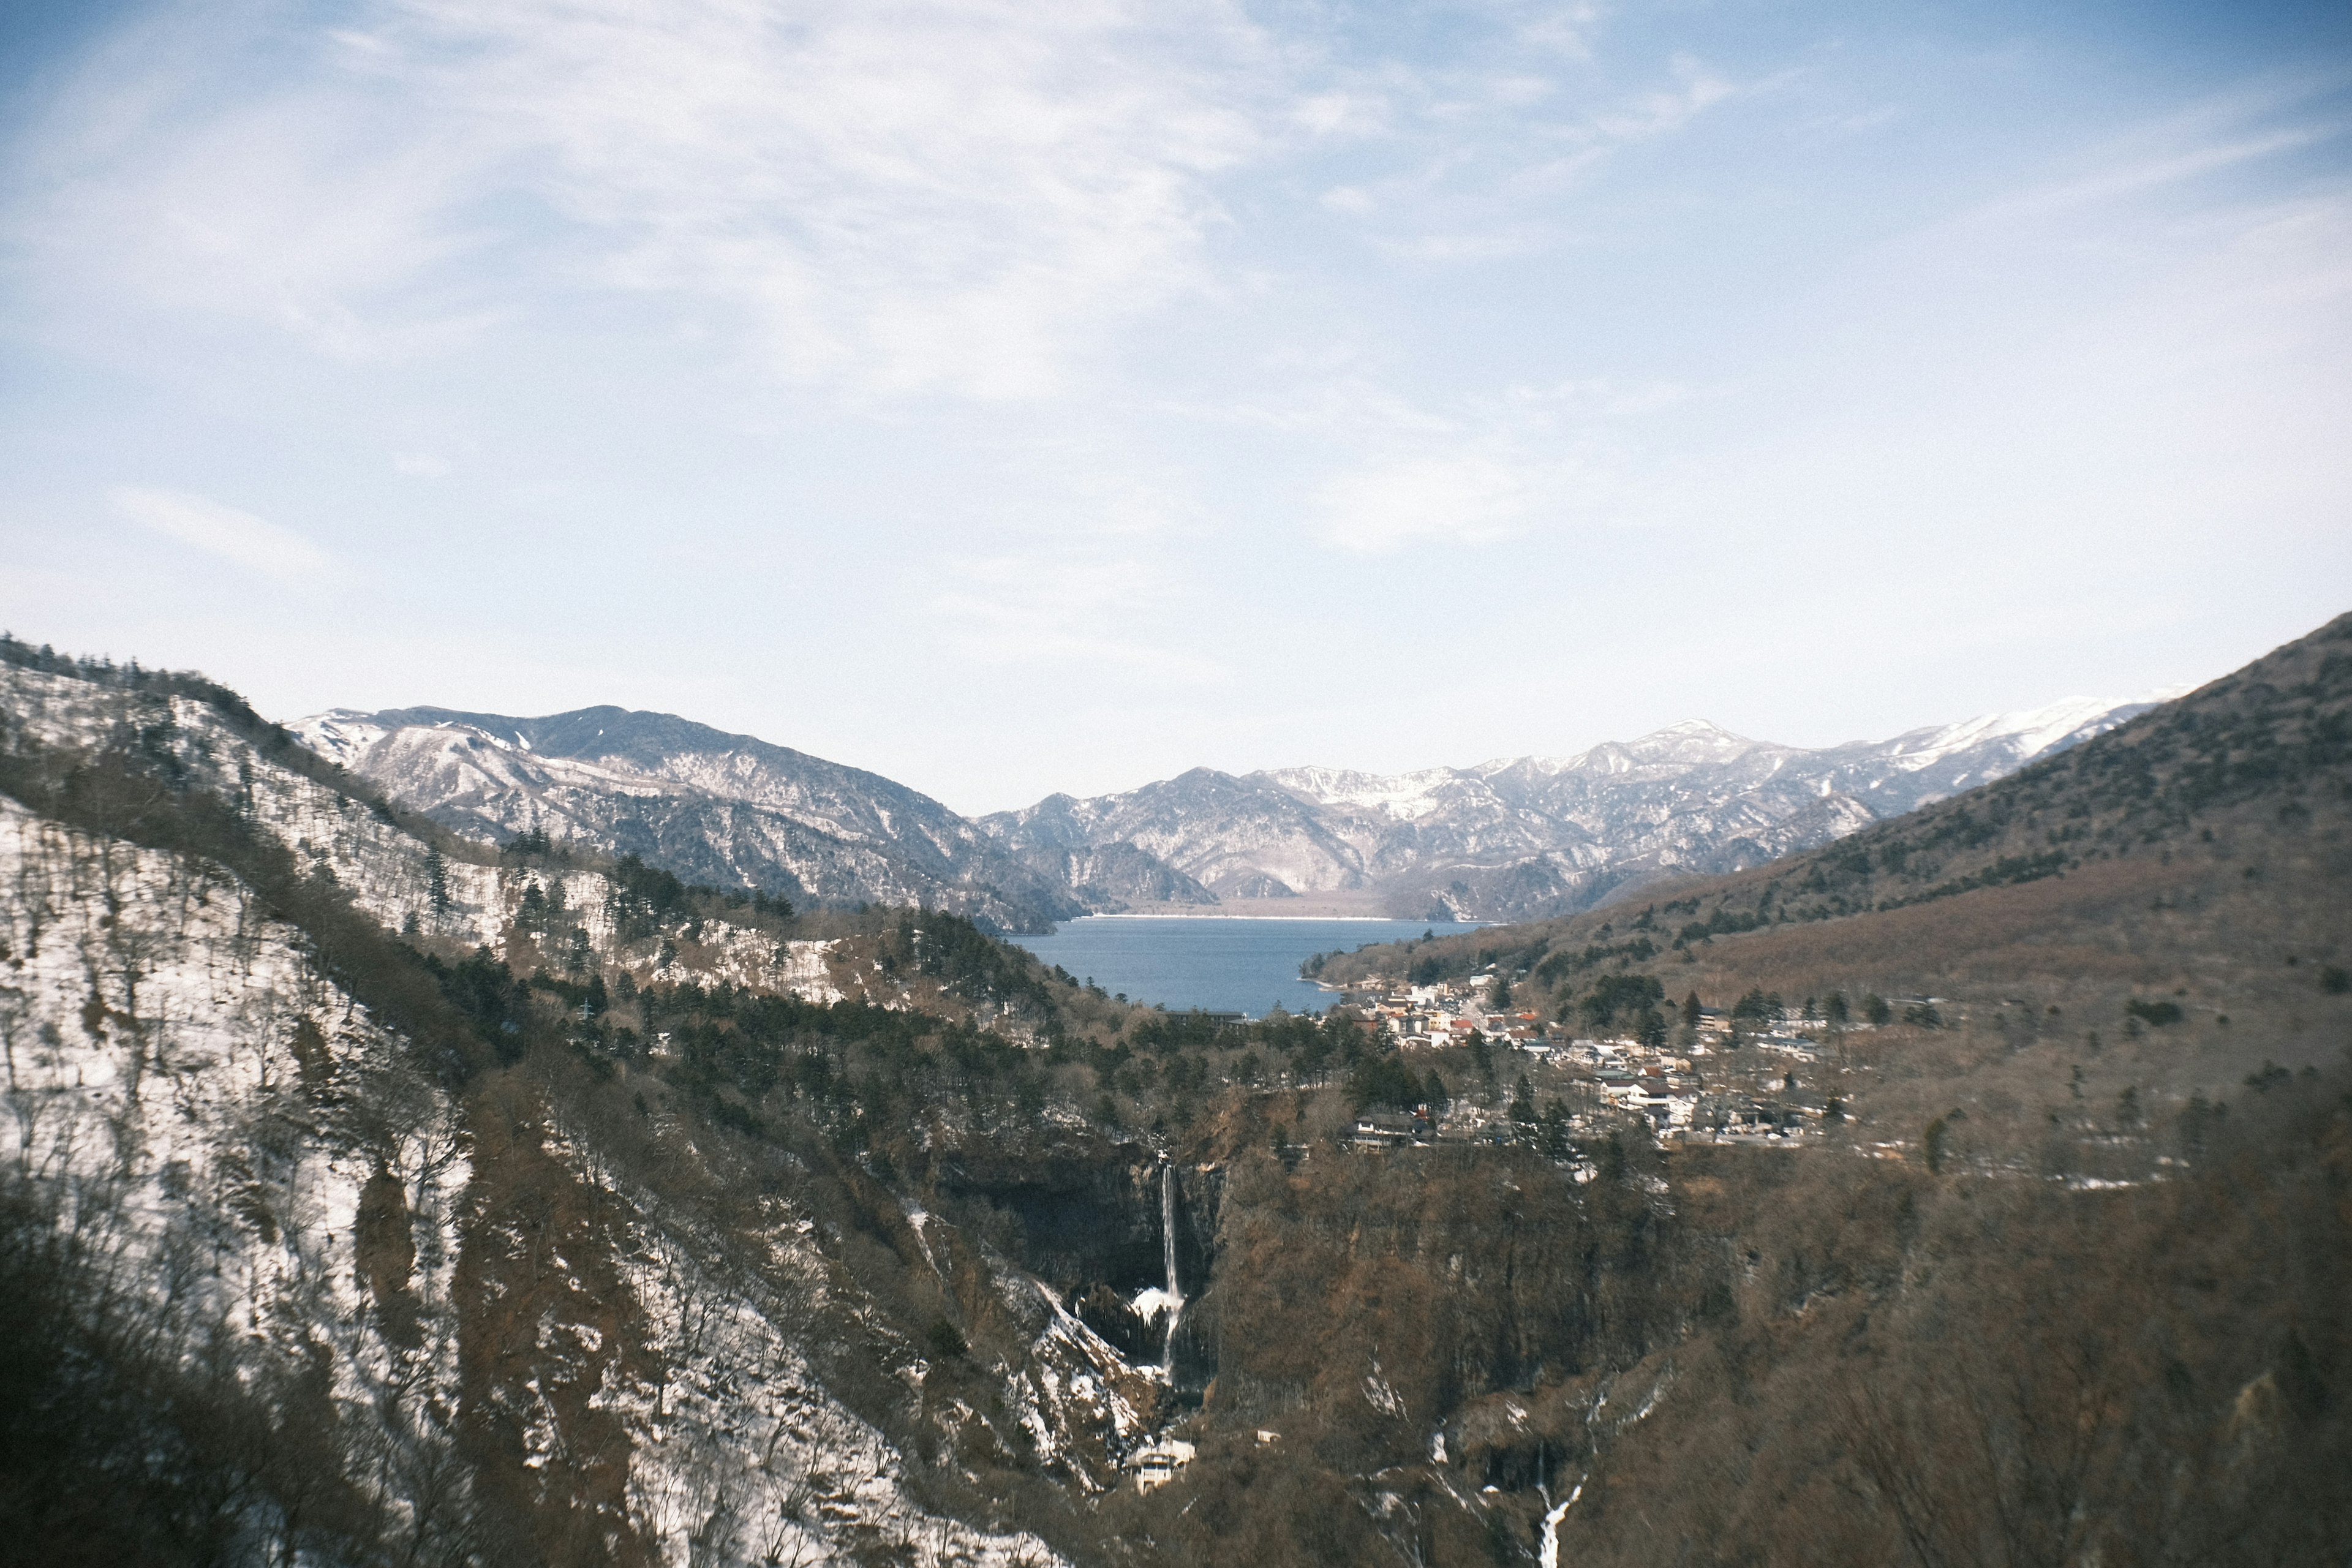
(1225, 964)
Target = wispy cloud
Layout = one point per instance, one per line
(237, 537)
(932, 196)
(1396, 474)
(1661, 112)
(2250, 123)
(1477, 160)
(2138, 176)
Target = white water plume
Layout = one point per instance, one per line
(1168, 1259)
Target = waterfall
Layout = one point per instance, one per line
(1168, 1256)
(1168, 1227)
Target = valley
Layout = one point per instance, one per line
(1505, 840)
(573, 1212)
(793, 785)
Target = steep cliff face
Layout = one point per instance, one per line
(492, 1341)
(711, 807)
(1539, 835)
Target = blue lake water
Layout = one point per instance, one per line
(1226, 964)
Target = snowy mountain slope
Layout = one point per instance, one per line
(206, 1108)
(1259, 832)
(712, 808)
(525, 1321)
(1109, 878)
(205, 1114)
(1519, 837)
(383, 865)
(389, 873)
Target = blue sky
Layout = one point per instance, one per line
(1012, 398)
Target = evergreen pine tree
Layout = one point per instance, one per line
(1556, 1145)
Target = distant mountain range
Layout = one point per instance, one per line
(1533, 836)
(1521, 838)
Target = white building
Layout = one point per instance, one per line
(1157, 1465)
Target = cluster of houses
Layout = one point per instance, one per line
(1446, 1015)
(1694, 1090)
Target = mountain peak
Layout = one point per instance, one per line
(1517, 837)
(705, 804)
(1689, 741)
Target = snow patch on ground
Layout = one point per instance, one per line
(1548, 1544)
(741, 1457)
(189, 1092)
(739, 1454)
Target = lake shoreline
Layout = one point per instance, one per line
(1239, 963)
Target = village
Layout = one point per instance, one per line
(1753, 1074)
(1769, 1076)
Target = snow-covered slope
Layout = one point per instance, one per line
(468, 895)
(1511, 838)
(487, 1320)
(210, 1118)
(214, 1117)
(712, 808)
(1521, 837)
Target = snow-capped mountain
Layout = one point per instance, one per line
(1510, 838)
(369, 1194)
(1522, 838)
(712, 807)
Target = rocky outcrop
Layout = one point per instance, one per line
(1086, 1211)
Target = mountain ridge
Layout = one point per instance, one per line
(1508, 838)
(593, 1218)
(2253, 760)
(704, 804)
(1526, 836)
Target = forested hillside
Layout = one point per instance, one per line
(2196, 853)
(2093, 1021)
(375, 1194)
